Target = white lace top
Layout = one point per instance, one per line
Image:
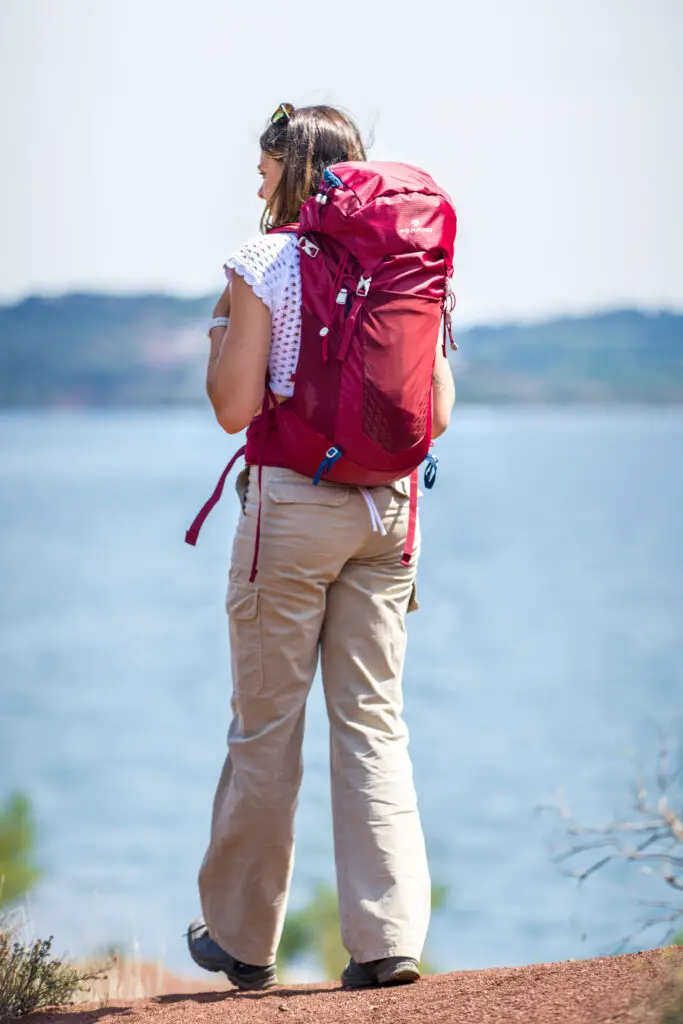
(270, 264)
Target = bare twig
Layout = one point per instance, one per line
(654, 841)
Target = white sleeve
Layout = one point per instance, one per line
(256, 263)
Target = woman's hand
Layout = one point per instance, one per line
(222, 307)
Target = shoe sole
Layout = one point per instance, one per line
(240, 983)
(400, 974)
(245, 986)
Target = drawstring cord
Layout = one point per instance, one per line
(375, 517)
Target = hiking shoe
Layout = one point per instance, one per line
(393, 970)
(209, 955)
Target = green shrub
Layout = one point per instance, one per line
(32, 979)
(315, 929)
(17, 838)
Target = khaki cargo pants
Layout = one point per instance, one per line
(327, 583)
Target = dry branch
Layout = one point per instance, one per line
(653, 841)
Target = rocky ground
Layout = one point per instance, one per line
(637, 988)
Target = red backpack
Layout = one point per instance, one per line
(376, 260)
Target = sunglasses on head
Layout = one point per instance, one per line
(284, 110)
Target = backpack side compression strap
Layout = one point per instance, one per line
(412, 520)
(193, 533)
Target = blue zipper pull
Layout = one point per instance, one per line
(430, 470)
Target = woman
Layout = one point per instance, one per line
(329, 581)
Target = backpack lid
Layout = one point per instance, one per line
(381, 208)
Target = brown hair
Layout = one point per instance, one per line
(308, 142)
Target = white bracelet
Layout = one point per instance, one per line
(217, 321)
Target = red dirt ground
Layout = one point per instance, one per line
(635, 988)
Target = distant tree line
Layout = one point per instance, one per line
(107, 350)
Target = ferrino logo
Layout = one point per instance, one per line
(416, 228)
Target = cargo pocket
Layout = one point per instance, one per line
(242, 605)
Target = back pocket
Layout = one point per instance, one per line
(305, 492)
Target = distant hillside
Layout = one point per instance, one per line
(102, 350)
(620, 356)
(150, 350)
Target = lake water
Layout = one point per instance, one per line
(547, 652)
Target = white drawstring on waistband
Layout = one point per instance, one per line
(375, 517)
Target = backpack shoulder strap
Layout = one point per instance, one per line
(289, 229)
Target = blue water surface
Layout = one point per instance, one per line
(547, 652)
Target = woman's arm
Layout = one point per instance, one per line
(443, 391)
(216, 335)
(238, 361)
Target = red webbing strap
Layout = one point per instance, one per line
(358, 301)
(265, 411)
(412, 520)
(257, 539)
(193, 532)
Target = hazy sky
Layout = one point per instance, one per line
(129, 136)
